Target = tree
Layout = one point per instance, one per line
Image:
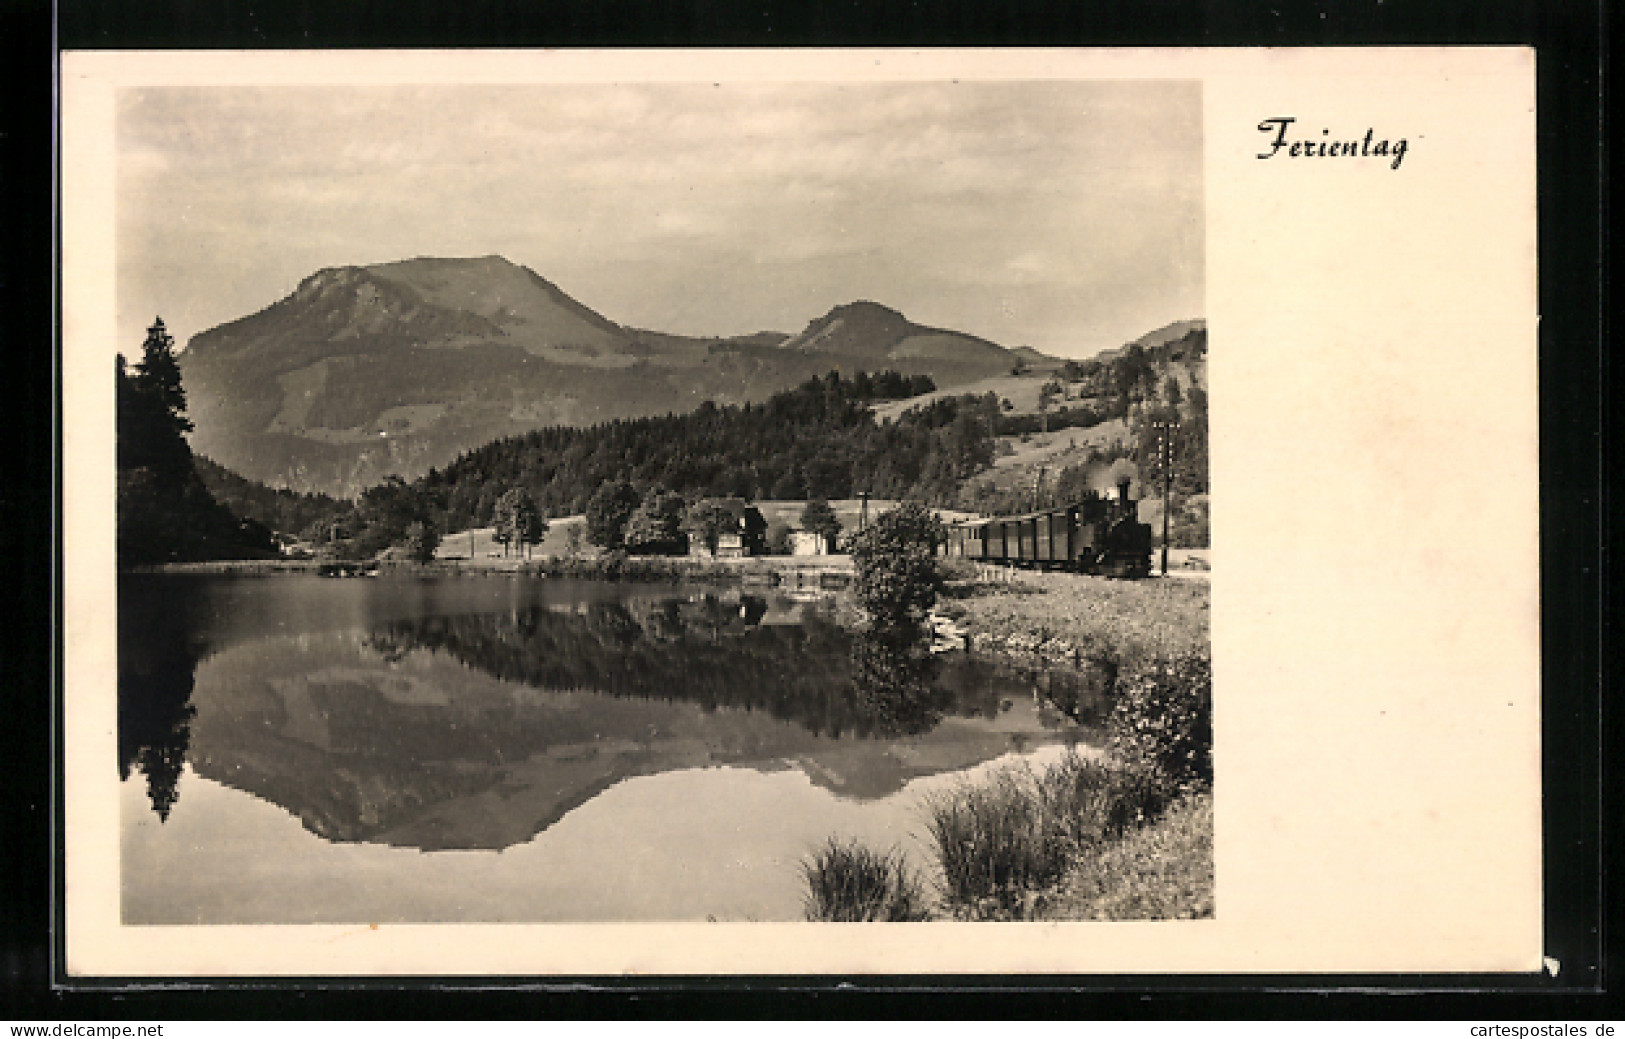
(608, 511)
(532, 524)
(920, 384)
(818, 518)
(164, 512)
(517, 520)
(789, 485)
(1133, 373)
(705, 521)
(1046, 397)
(151, 413)
(159, 376)
(656, 526)
(384, 513)
(896, 562)
(1171, 392)
(421, 541)
(967, 444)
(778, 541)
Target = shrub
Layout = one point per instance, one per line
(1095, 804)
(1161, 723)
(895, 558)
(954, 569)
(850, 883)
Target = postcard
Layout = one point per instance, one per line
(849, 512)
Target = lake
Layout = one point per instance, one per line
(504, 749)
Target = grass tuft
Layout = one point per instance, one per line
(850, 883)
(1005, 842)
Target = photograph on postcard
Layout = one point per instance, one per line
(662, 502)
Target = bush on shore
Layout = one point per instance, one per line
(850, 883)
(1013, 844)
(897, 579)
(1161, 722)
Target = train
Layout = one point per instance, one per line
(1097, 535)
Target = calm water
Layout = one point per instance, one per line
(297, 749)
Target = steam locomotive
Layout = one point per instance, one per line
(1097, 535)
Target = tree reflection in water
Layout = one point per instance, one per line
(722, 652)
(894, 680)
(707, 650)
(156, 664)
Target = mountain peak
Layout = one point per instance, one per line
(865, 308)
(481, 264)
(851, 326)
(876, 335)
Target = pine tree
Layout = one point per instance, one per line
(164, 511)
(159, 376)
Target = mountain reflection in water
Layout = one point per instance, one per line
(475, 713)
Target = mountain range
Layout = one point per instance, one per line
(395, 368)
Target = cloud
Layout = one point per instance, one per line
(975, 201)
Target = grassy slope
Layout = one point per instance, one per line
(1020, 390)
(1161, 872)
(1164, 870)
(1166, 617)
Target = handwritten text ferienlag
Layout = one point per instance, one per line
(1328, 147)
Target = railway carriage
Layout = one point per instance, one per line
(1096, 535)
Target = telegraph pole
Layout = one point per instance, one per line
(1038, 484)
(1165, 445)
(863, 510)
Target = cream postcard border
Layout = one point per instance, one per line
(1375, 523)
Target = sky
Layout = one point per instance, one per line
(1063, 215)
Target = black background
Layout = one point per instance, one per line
(1578, 468)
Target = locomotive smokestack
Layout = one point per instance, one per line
(1105, 478)
(1122, 489)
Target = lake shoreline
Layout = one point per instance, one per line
(791, 572)
(1110, 633)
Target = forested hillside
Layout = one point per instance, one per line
(280, 510)
(819, 440)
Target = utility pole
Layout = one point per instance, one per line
(1165, 445)
(863, 511)
(1038, 484)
